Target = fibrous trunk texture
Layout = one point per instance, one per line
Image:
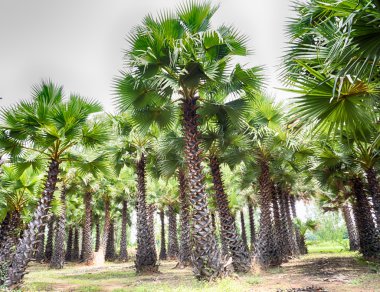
(151, 210)
(110, 249)
(173, 239)
(285, 229)
(69, 246)
(87, 251)
(277, 225)
(252, 227)
(266, 254)
(145, 254)
(49, 238)
(243, 229)
(369, 238)
(101, 253)
(351, 228)
(123, 240)
(184, 214)
(40, 254)
(293, 241)
(75, 255)
(207, 262)
(58, 257)
(236, 245)
(163, 254)
(8, 241)
(373, 189)
(97, 235)
(25, 246)
(296, 229)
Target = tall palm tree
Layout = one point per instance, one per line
(180, 53)
(48, 126)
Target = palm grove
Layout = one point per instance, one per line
(198, 142)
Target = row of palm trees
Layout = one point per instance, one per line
(185, 104)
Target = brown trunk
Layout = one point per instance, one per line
(146, 254)
(163, 254)
(110, 248)
(265, 250)
(252, 227)
(173, 239)
(369, 238)
(69, 248)
(123, 240)
(58, 257)
(206, 257)
(87, 251)
(75, 256)
(236, 246)
(374, 193)
(185, 245)
(97, 235)
(351, 228)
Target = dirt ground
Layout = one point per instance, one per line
(317, 272)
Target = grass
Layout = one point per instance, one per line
(120, 277)
(327, 246)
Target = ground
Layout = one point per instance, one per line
(326, 271)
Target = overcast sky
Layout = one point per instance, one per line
(79, 43)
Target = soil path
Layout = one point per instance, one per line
(325, 272)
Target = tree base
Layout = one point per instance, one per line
(147, 270)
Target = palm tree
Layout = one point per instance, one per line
(303, 227)
(47, 126)
(180, 53)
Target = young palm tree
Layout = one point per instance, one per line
(180, 53)
(49, 126)
(303, 227)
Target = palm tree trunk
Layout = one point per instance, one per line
(8, 241)
(123, 241)
(87, 251)
(173, 239)
(145, 254)
(296, 230)
(277, 225)
(285, 233)
(110, 249)
(58, 257)
(252, 227)
(293, 241)
(50, 238)
(163, 254)
(40, 254)
(207, 261)
(69, 248)
(97, 235)
(369, 238)
(236, 246)
(151, 209)
(243, 229)
(351, 228)
(265, 250)
(374, 193)
(75, 256)
(25, 247)
(101, 253)
(184, 214)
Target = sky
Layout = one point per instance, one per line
(79, 43)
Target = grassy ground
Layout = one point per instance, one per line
(334, 271)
